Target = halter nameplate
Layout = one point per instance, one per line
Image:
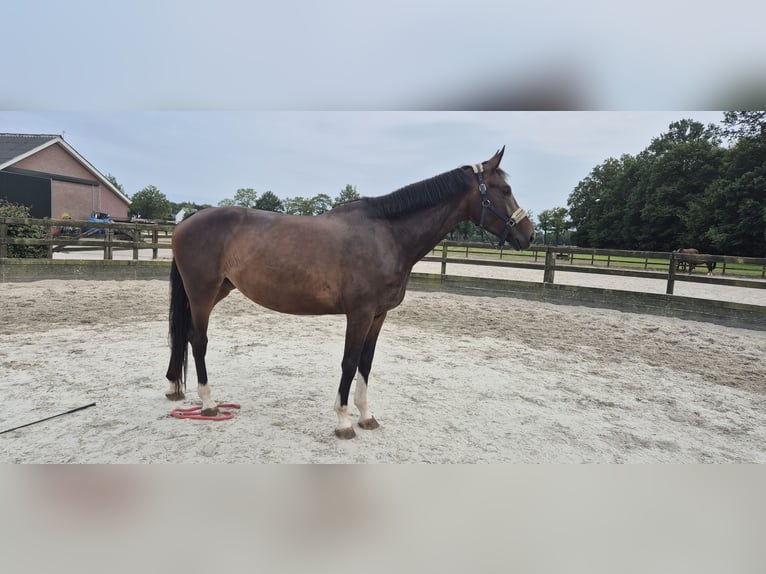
(518, 215)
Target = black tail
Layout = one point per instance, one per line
(180, 329)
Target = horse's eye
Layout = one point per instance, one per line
(507, 190)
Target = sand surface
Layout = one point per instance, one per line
(456, 379)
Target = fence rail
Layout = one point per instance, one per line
(67, 234)
(655, 265)
(70, 234)
(587, 260)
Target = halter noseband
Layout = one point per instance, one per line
(486, 204)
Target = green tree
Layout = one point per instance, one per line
(8, 209)
(115, 183)
(269, 202)
(307, 206)
(554, 221)
(680, 165)
(348, 193)
(597, 206)
(297, 206)
(747, 124)
(730, 216)
(150, 203)
(545, 224)
(321, 203)
(560, 223)
(188, 205)
(246, 197)
(644, 202)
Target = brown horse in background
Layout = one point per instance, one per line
(354, 260)
(691, 261)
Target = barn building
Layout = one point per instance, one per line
(46, 174)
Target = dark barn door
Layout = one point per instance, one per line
(34, 192)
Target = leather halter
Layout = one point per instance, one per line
(486, 204)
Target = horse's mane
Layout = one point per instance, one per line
(420, 195)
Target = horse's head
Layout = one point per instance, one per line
(493, 207)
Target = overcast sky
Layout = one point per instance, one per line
(205, 157)
(180, 94)
(397, 54)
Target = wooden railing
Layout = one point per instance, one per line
(647, 264)
(69, 234)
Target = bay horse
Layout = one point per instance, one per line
(353, 260)
(691, 262)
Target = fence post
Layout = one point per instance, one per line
(3, 239)
(155, 240)
(550, 267)
(672, 264)
(444, 261)
(136, 241)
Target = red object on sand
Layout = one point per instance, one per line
(195, 413)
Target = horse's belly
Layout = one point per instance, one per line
(297, 298)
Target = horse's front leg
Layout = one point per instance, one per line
(366, 419)
(344, 430)
(357, 327)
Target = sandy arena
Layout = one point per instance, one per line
(456, 379)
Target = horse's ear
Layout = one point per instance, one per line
(495, 161)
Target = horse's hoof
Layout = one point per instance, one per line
(369, 424)
(345, 433)
(176, 396)
(210, 412)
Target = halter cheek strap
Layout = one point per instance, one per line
(486, 204)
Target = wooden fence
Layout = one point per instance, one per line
(664, 265)
(74, 235)
(108, 237)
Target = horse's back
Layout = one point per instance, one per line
(216, 220)
(214, 231)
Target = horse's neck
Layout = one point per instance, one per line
(419, 232)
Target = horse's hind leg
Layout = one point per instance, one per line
(198, 340)
(366, 419)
